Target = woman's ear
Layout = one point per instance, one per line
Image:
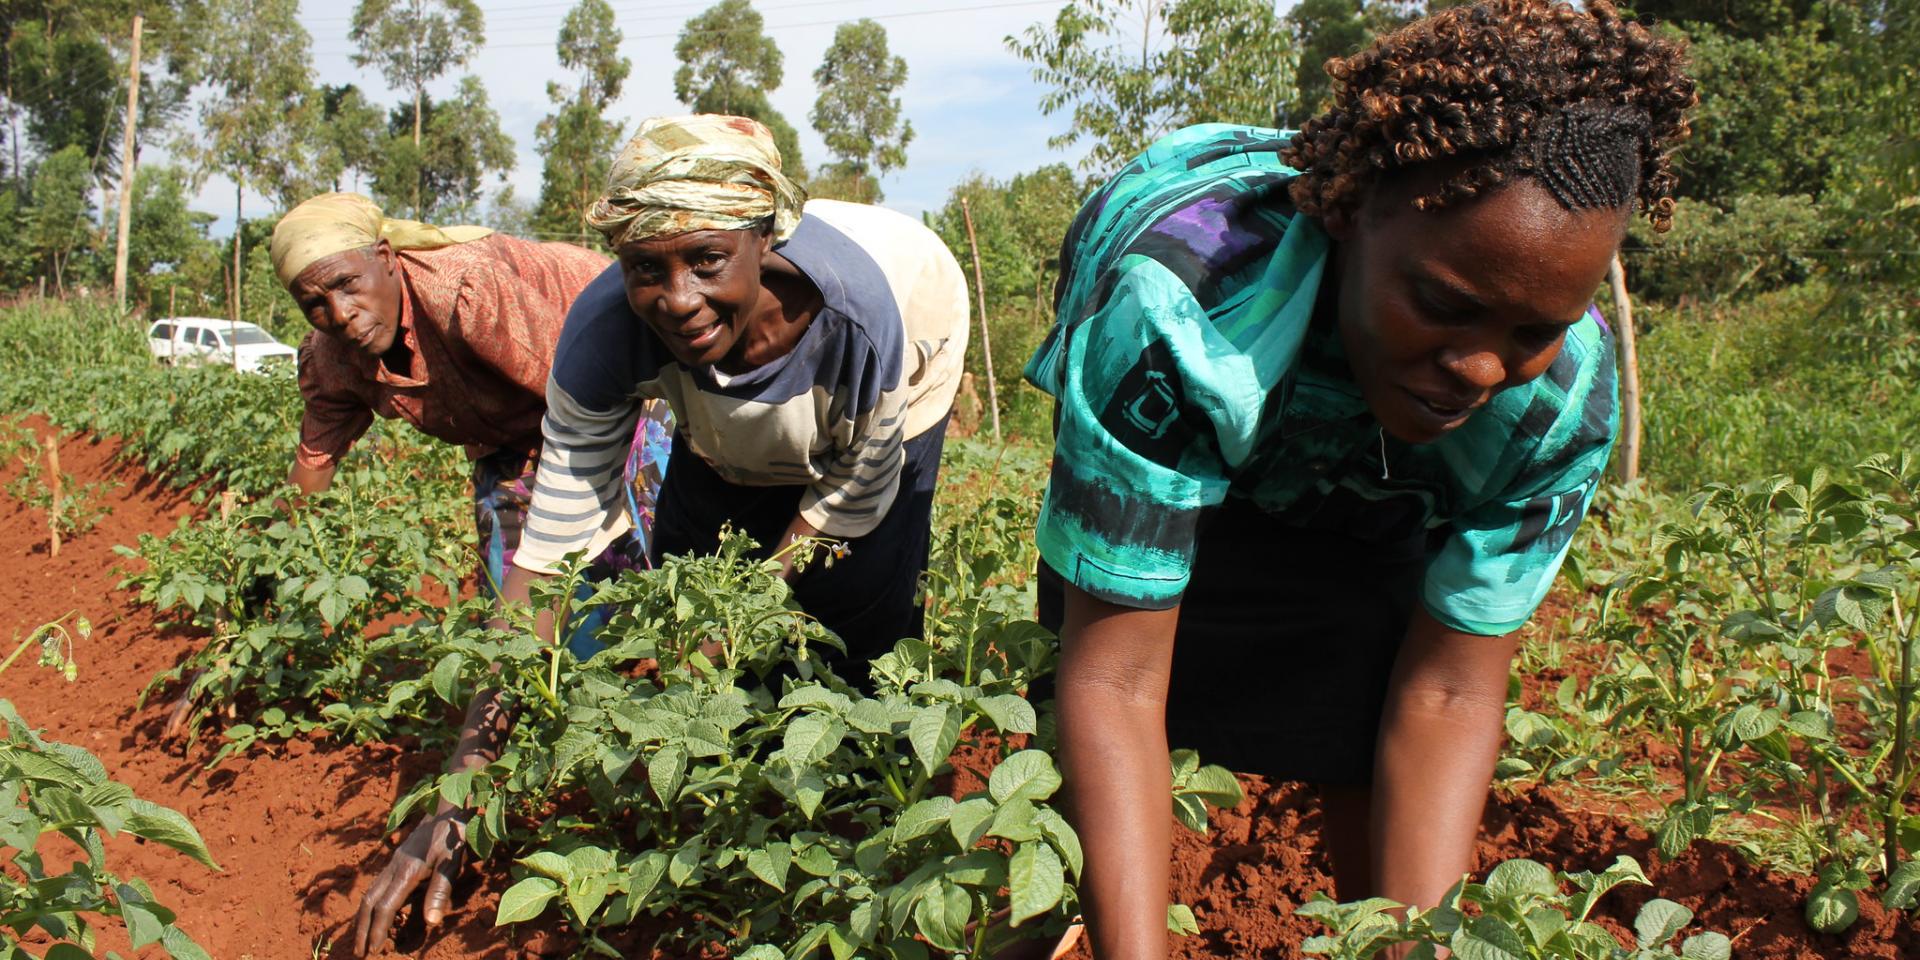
(383, 252)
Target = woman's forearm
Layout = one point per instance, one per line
(1113, 750)
(1440, 735)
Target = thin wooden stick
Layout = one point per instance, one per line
(53, 483)
(1630, 427)
(986, 336)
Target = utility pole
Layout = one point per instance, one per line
(126, 171)
(986, 337)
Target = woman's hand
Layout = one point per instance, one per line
(1112, 691)
(1440, 735)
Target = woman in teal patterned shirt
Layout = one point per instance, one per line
(1330, 408)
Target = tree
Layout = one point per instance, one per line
(60, 86)
(1774, 116)
(257, 117)
(413, 42)
(351, 135)
(725, 58)
(1129, 71)
(461, 146)
(163, 232)
(60, 220)
(1323, 29)
(858, 110)
(575, 139)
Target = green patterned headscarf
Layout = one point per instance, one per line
(699, 172)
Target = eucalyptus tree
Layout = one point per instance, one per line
(729, 65)
(858, 110)
(414, 42)
(576, 138)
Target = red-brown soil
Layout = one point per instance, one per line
(297, 828)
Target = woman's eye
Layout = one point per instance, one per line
(711, 263)
(1541, 335)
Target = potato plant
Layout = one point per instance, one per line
(288, 595)
(1728, 647)
(750, 794)
(52, 789)
(1522, 911)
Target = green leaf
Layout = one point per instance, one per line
(665, 771)
(870, 716)
(446, 677)
(1056, 829)
(168, 828)
(1658, 921)
(686, 861)
(1831, 909)
(551, 865)
(1015, 821)
(1707, 946)
(761, 952)
(145, 925)
(812, 738)
(771, 864)
(1028, 775)
(1010, 713)
(942, 915)
(1180, 920)
(1216, 785)
(643, 875)
(922, 818)
(968, 821)
(1036, 880)
(1486, 938)
(1519, 878)
(1903, 886)
(934, 732)
(180, 946)
(525, 900)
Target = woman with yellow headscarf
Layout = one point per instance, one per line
(451, 329)
(810, 351)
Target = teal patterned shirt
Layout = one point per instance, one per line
(1187, 368)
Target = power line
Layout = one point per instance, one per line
(784, 26)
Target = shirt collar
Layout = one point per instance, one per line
(404, 332)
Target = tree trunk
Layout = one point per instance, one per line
(238, 190)
(418, 166)
(1630, 429)
(126, 173)
(986, 337)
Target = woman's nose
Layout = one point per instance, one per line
(1479, 368)
(679, 295)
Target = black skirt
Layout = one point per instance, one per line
(1285, 642)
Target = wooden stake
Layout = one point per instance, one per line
(986, 336)
(1630, 428)
(53, 483)
(173, 342)
(126, 172)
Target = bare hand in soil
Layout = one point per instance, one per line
(177, 717)
(436, 847)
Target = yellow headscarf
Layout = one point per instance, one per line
(337, 222)
(701, 172)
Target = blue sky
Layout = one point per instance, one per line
(972, 103)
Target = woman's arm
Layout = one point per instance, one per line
(1112, 690)
(1440, 735)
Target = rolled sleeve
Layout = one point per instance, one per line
(333, 416)
(1498, 561)
(1136, 448)
(578, 503)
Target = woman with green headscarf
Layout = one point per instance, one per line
(810, 351)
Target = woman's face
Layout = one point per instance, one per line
(697, 290)
(1441, 310)
(354, 296)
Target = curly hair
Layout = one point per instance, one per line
(1587, 103)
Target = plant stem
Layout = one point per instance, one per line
(1902, 705)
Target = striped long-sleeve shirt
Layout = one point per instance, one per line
(879, 363)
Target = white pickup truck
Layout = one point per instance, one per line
(206, 340)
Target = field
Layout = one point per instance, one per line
(1721, 690)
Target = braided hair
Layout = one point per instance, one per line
(1589, 105)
